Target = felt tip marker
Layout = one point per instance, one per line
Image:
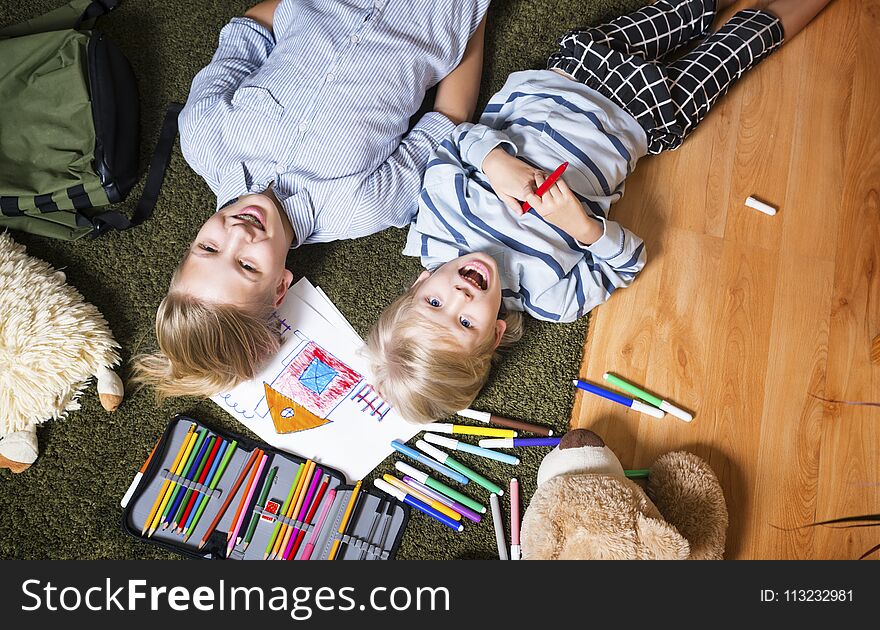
(444, 458)
(516, 442)
(439, 486)
(491, 418)
(515, 549)
(498, 524)
(400, 447)
(607, 394)
(666, 406)
(433, 494)
(470, 448)
(463, 429)
(543, 188)
(407, 498)
(424, 498)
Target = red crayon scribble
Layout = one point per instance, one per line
(316, 379)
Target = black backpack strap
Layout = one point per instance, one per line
(95, 10)
(155, 177)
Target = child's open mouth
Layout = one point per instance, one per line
(251, 217)
(477, 274)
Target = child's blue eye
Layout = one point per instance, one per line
(434, 302)
(466, 322)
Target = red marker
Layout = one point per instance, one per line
(546, 185)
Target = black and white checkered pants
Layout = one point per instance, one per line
(625, 61)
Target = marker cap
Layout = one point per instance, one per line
(441, 441)
(432, 451)
(406, 469)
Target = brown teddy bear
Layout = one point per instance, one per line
(586, 508)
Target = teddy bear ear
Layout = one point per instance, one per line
(660, 540)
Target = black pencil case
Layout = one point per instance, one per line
(373, 532)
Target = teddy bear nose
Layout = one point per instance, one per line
(576, 438)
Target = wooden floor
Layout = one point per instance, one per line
(744, 318)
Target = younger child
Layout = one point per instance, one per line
(607, 100)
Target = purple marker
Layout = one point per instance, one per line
(458, 507)
(514, 442)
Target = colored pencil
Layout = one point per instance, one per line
(229, 496)
(167, 481)
(249, 492)
(211, 446)
(424, 498)
(252, 478)
(400, 447)
(157, 518)
(283, 511)
(543, 188)
(294, 510)
(491, 418)
(517, 442)
(515, 549)
(375, 522)
(310, 546)
(498, 524)
(137, 477)
(666, 406)
(189, 470)
(470, 448)
(261, 503)
(316, 501)
(433, 494)
(445, 459)
(410, 500)
(607, 394)
(309, 494)
(224, 456)
(250, 508)
(350, 526)
(464, 429)
(440, 487)
(191, 500)
(345, 517)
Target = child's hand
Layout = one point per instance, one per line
(512, 179)
(560, 207)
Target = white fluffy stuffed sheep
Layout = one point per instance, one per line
(52, 342)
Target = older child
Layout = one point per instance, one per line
(607, 100)
(299, 126)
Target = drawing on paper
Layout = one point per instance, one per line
(287, 415)
(316, 379)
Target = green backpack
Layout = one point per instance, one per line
(69, 127)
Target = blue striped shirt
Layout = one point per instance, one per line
(545, 119)
(319, 108)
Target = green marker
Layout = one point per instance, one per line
(206, 497)
(261, 503)
(668, 407)
(442, 488)
(641, 473)
(166, 515)
(446, 460)
(283, 512)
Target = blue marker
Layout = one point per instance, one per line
(470, 448)
(400, 447)
(402, 496)
(635, 405)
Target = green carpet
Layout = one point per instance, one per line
(67, 504)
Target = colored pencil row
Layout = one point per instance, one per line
(201, 458)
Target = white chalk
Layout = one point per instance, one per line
(760, 206)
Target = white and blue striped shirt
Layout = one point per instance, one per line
(319, 107)
(545, 119)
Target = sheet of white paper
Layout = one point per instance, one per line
(319, 367)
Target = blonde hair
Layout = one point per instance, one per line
(421, 369)
(205, 348)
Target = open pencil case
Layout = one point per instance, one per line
(370, 528)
